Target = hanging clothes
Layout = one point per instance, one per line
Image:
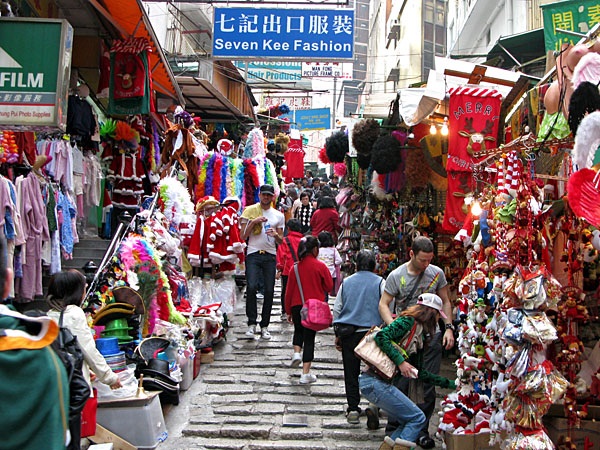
(35, 230)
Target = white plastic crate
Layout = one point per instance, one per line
(139, 421)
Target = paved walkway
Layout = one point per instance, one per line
(245, 399)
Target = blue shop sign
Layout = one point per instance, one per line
(310, 119)
(297, 34)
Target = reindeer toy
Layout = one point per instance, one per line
(475, 137)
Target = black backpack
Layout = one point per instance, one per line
(69, 351)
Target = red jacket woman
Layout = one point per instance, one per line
(326, 218)
(316, 283)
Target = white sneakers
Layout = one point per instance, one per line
(398, 442)
(251, 331)
(296, 360)
(307, 378)
(264, 333)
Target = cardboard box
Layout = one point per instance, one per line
(479, 441)
(557, 427)
(558, 410)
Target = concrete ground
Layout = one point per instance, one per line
(250, 398)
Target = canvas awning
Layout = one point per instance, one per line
(131, 20)
(518, 50)
(203, 99)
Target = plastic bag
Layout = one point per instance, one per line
(129, 385)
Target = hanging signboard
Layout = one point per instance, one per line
(35, 66)
(577, 16)
(327, 70)
(298, 34)
(310, 119)
(294, 102)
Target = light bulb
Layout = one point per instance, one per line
(445, 127)
(433, 129)
(476, 208)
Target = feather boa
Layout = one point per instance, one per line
(200, 188)
(175, 200)
(587, 141)
(251, 182)
(271, 177)
(260, 165)
(254, 144)
(210, 172)
(224, 181)
(240, 170)
(216, 184)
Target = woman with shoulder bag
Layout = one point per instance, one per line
(316, 282)
(355, 311)
(417, 322)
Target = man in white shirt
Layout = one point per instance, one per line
(262, 225)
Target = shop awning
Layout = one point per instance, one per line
(131, 20)
(518, 50)
(203, 99)
(378, 105)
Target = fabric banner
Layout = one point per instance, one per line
(130, 80)
(460, 184)
(473, 123)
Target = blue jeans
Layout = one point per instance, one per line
(398, 406)
(260, 265)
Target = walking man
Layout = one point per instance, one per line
(404, 285)
(262, 225)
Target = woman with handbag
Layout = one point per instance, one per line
(354, 313)
(310, 280)
(332, 259)
(410, 329)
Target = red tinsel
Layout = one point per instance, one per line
(323, 156)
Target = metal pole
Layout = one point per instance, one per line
(334, 103)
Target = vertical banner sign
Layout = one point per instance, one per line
(298, 34)
(34, 73)
(474, 115)
(579, 16)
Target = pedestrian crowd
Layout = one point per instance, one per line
(411, 306)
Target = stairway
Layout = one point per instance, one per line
(90, 248)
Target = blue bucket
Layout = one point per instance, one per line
(108, 346)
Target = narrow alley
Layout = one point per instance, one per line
(250, 398)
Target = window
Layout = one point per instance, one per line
(434, 33)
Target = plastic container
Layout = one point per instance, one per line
(108, 346)
(139, 421)
(187, 372)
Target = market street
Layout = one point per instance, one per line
(242, 400)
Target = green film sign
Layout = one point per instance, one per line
(577, 16)
(35, 65)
